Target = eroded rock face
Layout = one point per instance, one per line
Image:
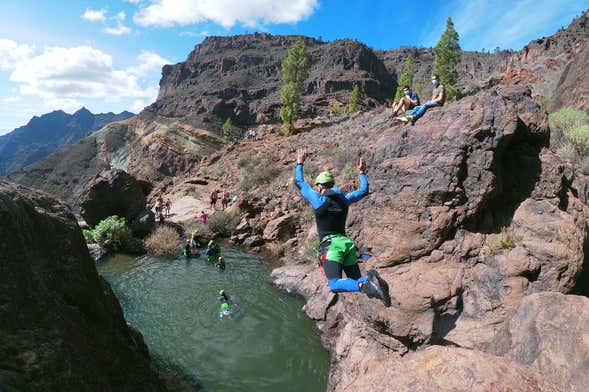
(573, 88)
(443, 369)
(239, 78)
(61, 327)
(113, 192)
(469, 212)
(547, 331)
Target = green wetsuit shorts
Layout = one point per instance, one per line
(340, 249)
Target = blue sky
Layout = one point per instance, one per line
(107, 54)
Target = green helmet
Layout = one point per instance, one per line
(211, 242)
(325, 178)
(222, 292)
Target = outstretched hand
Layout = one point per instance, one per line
(301, 155)
(361, 165)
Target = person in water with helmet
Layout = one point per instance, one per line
(220, 263)
(213, 251)
(338, 252)
(187, 252)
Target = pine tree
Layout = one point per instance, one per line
(353, 102)
(227, 129)
(446, 57)
(295, 69)
(419, 88)
(406, 78)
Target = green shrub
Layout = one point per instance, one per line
(566, 118)
(578, 136)
(223, 223)
(506, 240)
(89, 236)
(334, 109)
(112, 233)
(163, 242)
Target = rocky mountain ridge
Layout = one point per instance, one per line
(48, 133)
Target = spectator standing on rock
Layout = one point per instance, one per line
(158, 209)
(338, 252)
(214, 197)
(168, 206)
(438, 99)
(203, 217)
(225, 199)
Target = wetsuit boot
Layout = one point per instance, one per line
(376, 287)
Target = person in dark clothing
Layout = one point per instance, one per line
(338, 252)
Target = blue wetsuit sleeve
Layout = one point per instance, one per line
(359, 193)
(312, 196)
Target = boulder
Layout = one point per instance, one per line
(113, 192)
(61, 326)
(143, 224)
(97, 252)
(253, 241)
(281, 229)
(547, 332)
(445, 369)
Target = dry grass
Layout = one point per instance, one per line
(163, 242)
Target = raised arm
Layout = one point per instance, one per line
(362, 191)
(307, 190)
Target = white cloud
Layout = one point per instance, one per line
(94, 15)
(11, 99)
(121, 16)
(227, 13)
(194, 34)
(133, 1)
(11, 53)
(63, 77)
(138, 105)
(120, 29)
(149, 64)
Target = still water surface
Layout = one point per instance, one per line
(267, 344)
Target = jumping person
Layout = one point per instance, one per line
(338, 252)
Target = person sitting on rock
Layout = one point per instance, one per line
(338, 252)
(213, 251)
(409, 100)
(438, 99)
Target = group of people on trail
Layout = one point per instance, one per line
(337, 253)
(224, 196)
(251, 134)
(162, 208)
(410, 101)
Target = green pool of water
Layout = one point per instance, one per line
(268, 344)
